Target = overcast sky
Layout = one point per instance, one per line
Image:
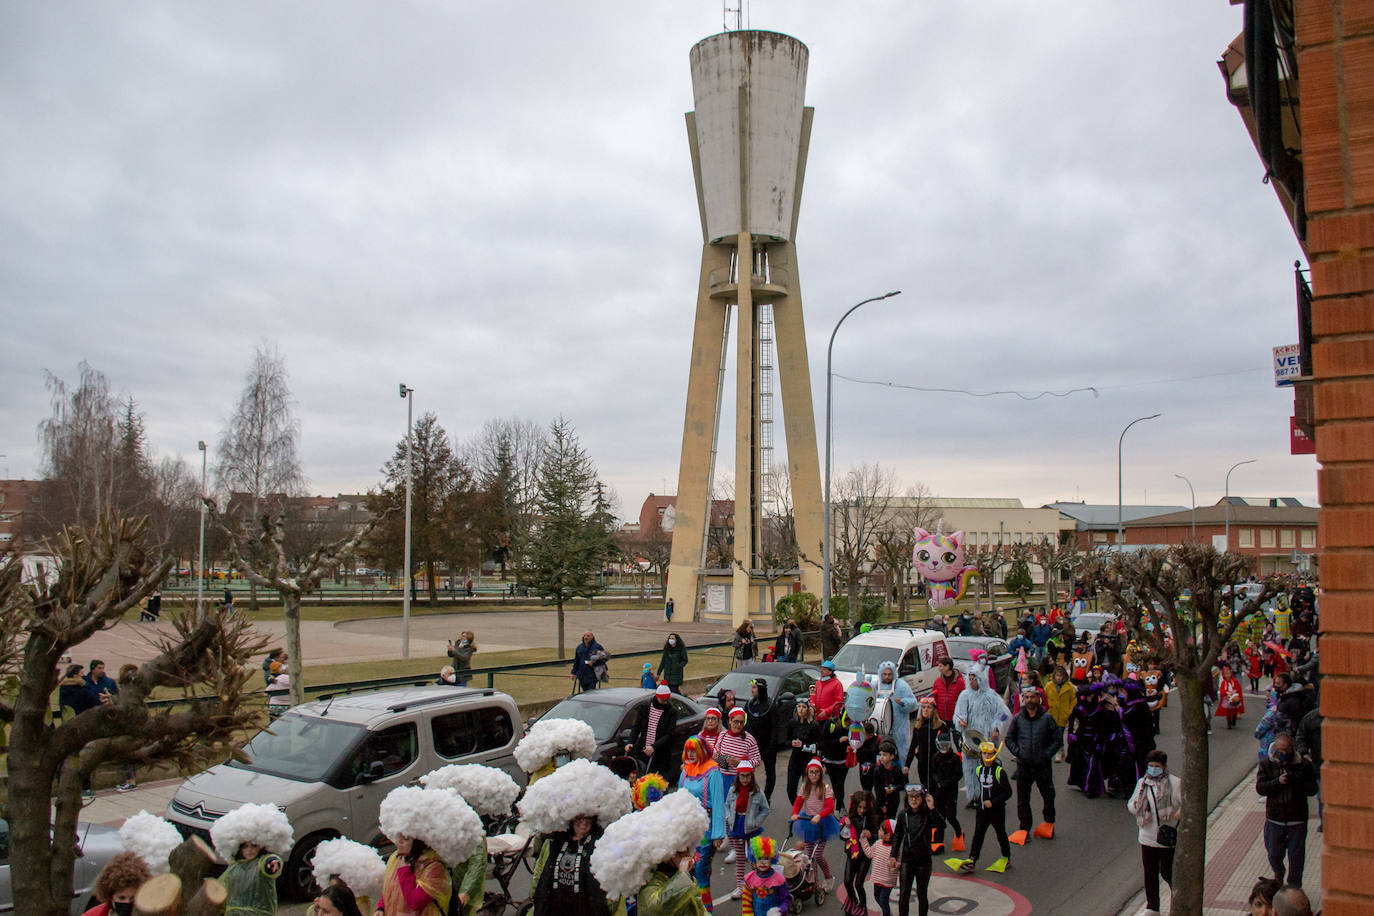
(493, 203)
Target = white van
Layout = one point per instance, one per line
(915, 653)
(329, 763)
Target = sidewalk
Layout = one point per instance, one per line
(110, 808)
(1236, 856)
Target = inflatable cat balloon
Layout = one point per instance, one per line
(940, 559)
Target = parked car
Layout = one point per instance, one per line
(329, 763)
(915, 652)
(999, 658)
(611, 713)
(786, 681)
(98, 846)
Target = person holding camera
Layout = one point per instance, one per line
(462, 653)
(1286, 781)
(1157, 804)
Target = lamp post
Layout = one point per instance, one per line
(407, 394)
(1227, 500)
(1120, 528)
(200, 563)
(825, 540)
(1193, 497)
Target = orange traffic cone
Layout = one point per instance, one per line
(1019, 837)
(1045, 831)
(958, 844)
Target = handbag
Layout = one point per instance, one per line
(1166, 835)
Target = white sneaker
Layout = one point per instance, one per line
(730, 856)
(735, 894)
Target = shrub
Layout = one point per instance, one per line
(870, 608)
(803, 607)
(1018, 580)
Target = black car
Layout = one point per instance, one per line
(786, 681)
(612, 712)
(999, 658)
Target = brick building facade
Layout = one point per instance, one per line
(1324, 178)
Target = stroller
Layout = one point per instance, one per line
(800, 875)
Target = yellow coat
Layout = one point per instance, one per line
(1061, 700)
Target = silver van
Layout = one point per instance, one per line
(329, 763)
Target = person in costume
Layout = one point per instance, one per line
(563, 883)
(836, 751)
(994, 790)
(1060, 698)
(651, 740)
(745, 810)
(1080, 739)
(735, 746)
(813, 818)
(761, 723)
(803, 737)
(710, 729)
(921, 750)
(1138, 721)
(765, 890)
(1111, 764)
(552, 743)
(646, 856)
(432, 829)
(945, 771)
(701, 777)
(827, 695)
(913, 841)
(1231, 703)
(354, 867)
(335, 900)
(888, 779)
(861, 820)
(902, 700)
(117, 884)
(570, 807)
(251, 838)
(866, 754)
(983, 711)
(490, 792)
(883, 865)
(1254, 666)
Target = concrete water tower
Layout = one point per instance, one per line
(748, 139)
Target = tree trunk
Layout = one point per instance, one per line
(852, 598)
(1192, 833)
(291, 614)
(431, 579)
(562, 652)
(252, 594)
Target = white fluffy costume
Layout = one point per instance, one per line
(580, 787)
(445, 822)
(980, 709)
(150, 838)
(488, 790)
(264, 825)
(547, 739)
(633, 846)
(358, 866)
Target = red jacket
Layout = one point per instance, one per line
(826, 696)
(946, 694)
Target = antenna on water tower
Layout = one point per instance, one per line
(741, 14)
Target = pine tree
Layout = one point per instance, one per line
(571, 538)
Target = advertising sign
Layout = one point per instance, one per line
(1287, 365)
(1298, 441)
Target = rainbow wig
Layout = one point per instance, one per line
(647, 790)
(762, 849)
(703, 754)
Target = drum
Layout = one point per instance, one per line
(972, 738)
(882, 717)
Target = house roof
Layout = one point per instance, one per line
(1094, 517)
(1240, 514)
(962, 502)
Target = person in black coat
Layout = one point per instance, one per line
(803, 737)
(657, 756)
(917, 825)
(1033, 739)
(589, 662)
(1286, 781)
(761, 722)
(73, 693)
(994, 791)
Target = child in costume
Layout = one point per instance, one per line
(490, 792)
(813, 820)
(701, 777)
(861, 820)
(945, 771)
(551, 743)
(745, 810)
(355, 866)
(765, 890)
(569, 807)
(1252, 659)
(994, 790)
(1230, 702)
(250, 839)
(647, 854)
(884, 866)
(432, 829)
(913, 837)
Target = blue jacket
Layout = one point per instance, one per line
(1019, 642)
(1040, 634)
(709, 788)
(754, 814)
(582, 667)
(103, 684)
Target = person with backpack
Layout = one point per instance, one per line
(992, 791)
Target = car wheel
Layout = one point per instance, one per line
(298, 878)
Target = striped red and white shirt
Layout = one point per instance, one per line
(652, 731)
(884, 870)
(742, 746)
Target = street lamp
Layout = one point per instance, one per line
(1227, 500)
(825, 541)
(1120, 529)
(200, 564)
(1194, 498)
(407, 396)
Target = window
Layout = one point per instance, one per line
(1246, 537)
(471, 731)
(682, 709)
(797, 683)
(1309, 537)
(1286, 538)
(1266, 537)
(911, 662)
(1099, 537)
(394, 748)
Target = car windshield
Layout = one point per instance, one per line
(960, 650)
(1090, 622)
(855, 657)
(602, 717)
(305, 748)
(740, 683)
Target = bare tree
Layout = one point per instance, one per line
(78, 443)
(265, 537)
(987, 559)
(1054, 558)
(102, 572)
(868, 502)
(504, 457)
(1179, 592)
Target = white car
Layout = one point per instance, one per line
(914, 652)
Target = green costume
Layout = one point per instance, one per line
(469, 879)
(670, 892)
(252, 885)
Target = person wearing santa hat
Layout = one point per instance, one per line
(710, 728)
(735, 745)
(745, 810)
(651, 739)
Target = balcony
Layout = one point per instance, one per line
(772, 283)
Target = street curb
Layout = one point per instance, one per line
(1136, 903)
